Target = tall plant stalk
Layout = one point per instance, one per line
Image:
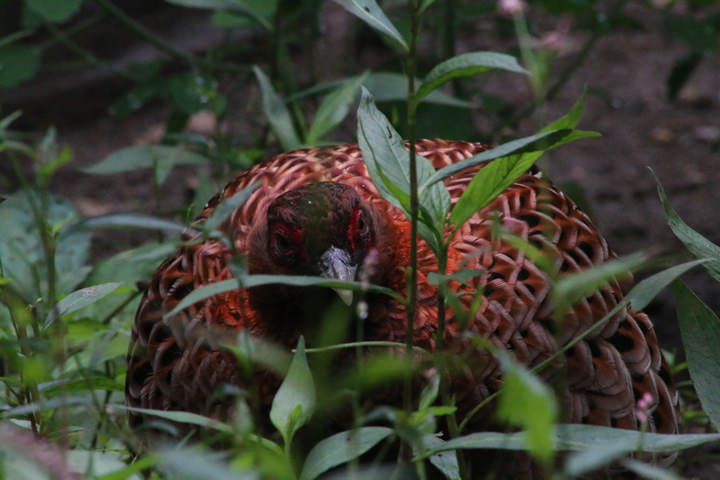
(411, 122)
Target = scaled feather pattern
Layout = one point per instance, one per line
(316, 212)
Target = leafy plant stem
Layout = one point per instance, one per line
(412, 272)
(165, 47)
(87, 55)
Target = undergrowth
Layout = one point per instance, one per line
(65, 318)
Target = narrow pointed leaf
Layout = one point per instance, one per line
(700, 331)
(334, 108)
(341, 448)
(215, 288)
(466, 65)
(145, 156)
(526, 402)
(84, 297)
(696, 243)
(294, 402)
(369, 12)
(229, 205)
(388, 164)
(490, 182)
(647, 289)
(571, 119)
(130, 220)
(277, 113)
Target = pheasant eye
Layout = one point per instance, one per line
(285, 241)
(359, 231)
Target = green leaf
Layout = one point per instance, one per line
(445, 461)
(490, 182)
(180, 417)
(388, 164)
(84, 297)
(341, 448)
(571, 119)
(54, 10)
(700, 331)
(643, 293)
(294, 402)
(161, 157)
(425, 5)
(646, 470)
(193, 464)
(21, 248)
(577, 437)
(697, 244)
(369, 12)
(277, 113)
(569, 289)
(261, 11)
(334, 108)
(526, 144)
(592, 459)
(17, 64)
(525, 401)
(130, 220)
(249, 281)
(466, 65)
(227, 206)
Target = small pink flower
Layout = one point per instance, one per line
(642, 411)
(511, 7)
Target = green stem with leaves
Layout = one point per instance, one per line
(412, 272)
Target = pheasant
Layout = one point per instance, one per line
(316, 212)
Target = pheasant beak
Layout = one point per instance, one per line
(336, 264)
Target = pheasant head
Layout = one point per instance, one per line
(320, 229)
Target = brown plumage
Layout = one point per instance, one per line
(289, 224)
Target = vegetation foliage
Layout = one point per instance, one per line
(65, 317)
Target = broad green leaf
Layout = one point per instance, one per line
(646, 470)
(466, 65)
(215, 288)
(334, 108)
(194, 464)
(388, 164)
(162, 157)
(180, 417)
(571, 119)
(445, 461)
(388, 87)
(571, 288)
(84, 297)
(277, 113)
(526, 402)
(643, 293)
(490, 182)
(369, 12)
(54, 10)
(521, 145)
(227, 206)
(463, 275)
(697, 244)
(18, 63)
(21, 249)
(341, 448)
(138, 467)
(130, 220)
(294, 402)
(94, 463)
(577, 437)
(587, 461)
(700, 331)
